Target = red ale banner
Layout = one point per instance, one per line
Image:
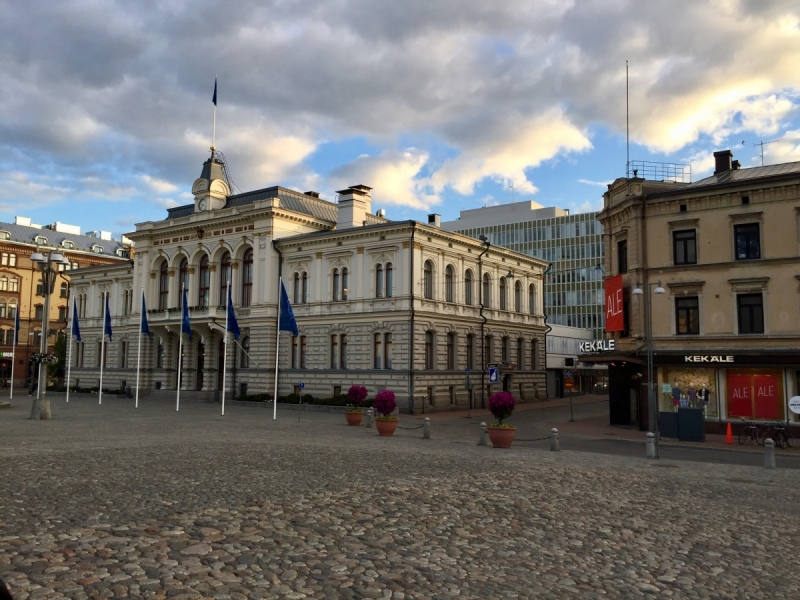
(615, 320)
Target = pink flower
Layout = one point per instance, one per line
(385, 403)
(501, 405)
(356, 394)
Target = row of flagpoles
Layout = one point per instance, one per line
(286, 322)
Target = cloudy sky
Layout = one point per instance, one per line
(106, 113)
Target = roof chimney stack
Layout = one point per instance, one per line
(435, 220)
(355, 203)
(723, 161)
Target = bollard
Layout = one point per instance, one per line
(368, 422)
(769, 454)
(484, 441)
(651, 445)
(426, 430)
(554, 440)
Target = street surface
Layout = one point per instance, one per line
(107, 501)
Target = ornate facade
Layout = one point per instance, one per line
(386, 304)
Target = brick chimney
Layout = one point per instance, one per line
(723, 161)
(355, 203)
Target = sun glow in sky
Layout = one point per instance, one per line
(105, 113)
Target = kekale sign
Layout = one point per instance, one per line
(708, 359)
(598, 346)
(615, 319)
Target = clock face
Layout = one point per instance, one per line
(202, 204)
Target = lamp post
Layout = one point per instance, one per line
(651, 390)
(41, 405)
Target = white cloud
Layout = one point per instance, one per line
(597, 183)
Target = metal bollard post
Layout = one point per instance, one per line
(426, 430)
(484, 441)
(769, 454)
(368, 422)
(651, 445)
(554, 440)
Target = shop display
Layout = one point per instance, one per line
(689, 388)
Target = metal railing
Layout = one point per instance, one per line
(657, 171)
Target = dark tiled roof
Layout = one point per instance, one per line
(289, 200)
(741, 175)
(27, 235)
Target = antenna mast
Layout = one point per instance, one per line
(214, 126)
(762, 144)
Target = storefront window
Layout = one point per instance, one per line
(755, 394)
(684, 387)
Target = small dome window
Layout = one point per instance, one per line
(4, 235)
(97, 249)
(68, 244)
(41, 240)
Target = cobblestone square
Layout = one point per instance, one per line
(111, 502)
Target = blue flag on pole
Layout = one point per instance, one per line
(214, 99)
(186, 327)
(76, 328)
(107, 327)
(145, 324)
(233, 325)
(16, 327)
(287, 321)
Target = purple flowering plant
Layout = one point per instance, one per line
(501, 405)
(356, 394)
(385, 403)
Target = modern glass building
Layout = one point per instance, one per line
(573, 289)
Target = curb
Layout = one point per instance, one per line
(697, 448)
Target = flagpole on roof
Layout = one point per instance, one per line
(103, 348)
(214, 128)
(225, 359)
(69, 350)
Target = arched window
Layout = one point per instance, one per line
(345, 283)
(389, 279)
(379, 281)
(247, 278)
(224, 278)
(532, 299)
(448, 284)
(486, 298)
(429, 358)
(304, 288)
(163, 286)
(183, 278)
(204, 283)
(245, 358)
(468, 287)
(296, 288)
(518, 296)
(336, 285)
(427, 280)
(503, 303)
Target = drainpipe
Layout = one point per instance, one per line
(483, 324)
(411, 328)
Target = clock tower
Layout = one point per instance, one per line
(210, 190)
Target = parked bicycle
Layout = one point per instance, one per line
(779, 434)
(749, 432)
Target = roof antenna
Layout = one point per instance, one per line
(762, 144)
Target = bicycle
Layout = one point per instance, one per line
(748, 432)
(780, 434)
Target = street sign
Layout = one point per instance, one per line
(494, 374)
(794, 405)
(568, 384)
(302, 385)
(568, 373)
(466, 371)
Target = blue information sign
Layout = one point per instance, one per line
(568, 373)
(302, 385)
(494, 374)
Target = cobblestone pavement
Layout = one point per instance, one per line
(109, 502)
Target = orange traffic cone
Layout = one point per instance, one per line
(729, 435)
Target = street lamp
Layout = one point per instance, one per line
(651, 390)
(41, 405)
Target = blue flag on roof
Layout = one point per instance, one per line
(186, 327)
(76, 328)
(233, 325)
(214, 99)
(107, 326)
(16, 327)
(145, 324)
(287, 321)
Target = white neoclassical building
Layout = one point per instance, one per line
(402, 305)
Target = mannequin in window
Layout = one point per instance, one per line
(692, 395)
(704, 396)
(676, 396)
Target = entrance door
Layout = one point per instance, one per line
(201, 360)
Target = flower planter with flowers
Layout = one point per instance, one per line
(384, 406)
(501, 405)
(356, 394)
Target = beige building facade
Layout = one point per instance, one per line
(386, 304)
(725, 252)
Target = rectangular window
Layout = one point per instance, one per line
(302, 352)
(78, 354)
(293, 359)
(431, 397)
(334, 351)
(387, 350)
(487, 349)
(687, 316)
(38, 312)
(429, 350)
(520, 354)
(337, 390)
(343, 351)
(451, 351)
(378, 350)
(470, 352)
(748, 241)
(504, 350)
(452, 391)
(62, 313)
(123, 355)
(751, 313)
(622, 256)
(685, 247)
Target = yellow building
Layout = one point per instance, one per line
(720, 261)
(20, 283)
